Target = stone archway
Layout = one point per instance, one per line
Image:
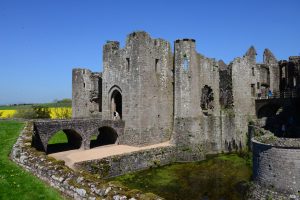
(74, 141)
(107, 135)
(116, 104)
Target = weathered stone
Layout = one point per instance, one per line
(107, 190)
(59, 179)
(277, 166)
(23, 159)
(81, 192)
(78, 131)
(79, 179)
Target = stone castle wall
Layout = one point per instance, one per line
(86, 95)
(277, 166)
(142, 73)
(183, 96)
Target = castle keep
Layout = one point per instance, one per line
(179, 95)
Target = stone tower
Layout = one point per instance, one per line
(86, 93)
(138, 84)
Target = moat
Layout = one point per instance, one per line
(223, 177)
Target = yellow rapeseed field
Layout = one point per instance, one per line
(60, 113)
(55, 113)
(7, 113)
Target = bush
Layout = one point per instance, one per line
(25, 113)
(33, 112)
(41, 112)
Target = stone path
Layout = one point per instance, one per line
(78, 155)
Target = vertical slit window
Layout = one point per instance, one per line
(185, 63)
(128, 64)
(156, 63)
(253, 90)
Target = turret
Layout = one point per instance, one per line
(251, 54)
(268, 57)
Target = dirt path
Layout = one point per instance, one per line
(78, 155)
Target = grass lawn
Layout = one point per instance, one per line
(59, 137)
(16, 183)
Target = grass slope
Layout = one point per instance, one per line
(15, 183)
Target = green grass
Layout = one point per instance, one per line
(15, 107)
(15, 183)
(59, 137)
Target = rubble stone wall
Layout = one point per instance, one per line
(277, 166)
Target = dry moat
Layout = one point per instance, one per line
(224, 177)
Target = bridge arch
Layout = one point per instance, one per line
(106, 136)
(78, 131)
(74, 140)
(268, 110)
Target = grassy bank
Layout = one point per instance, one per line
(15, 183)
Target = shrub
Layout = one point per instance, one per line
(26, 113)
(33, 112)
(41, 112)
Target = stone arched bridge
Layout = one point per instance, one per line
(78, 131)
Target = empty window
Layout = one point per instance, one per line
(156, 63)
(258, 85)
(253, 90)
(185, 63)
(253, 71)
(128, 64)
(83, 85)
(207, 98)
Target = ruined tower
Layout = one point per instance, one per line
(86, 93)
(141, 75)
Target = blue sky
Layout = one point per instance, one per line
(41, 41)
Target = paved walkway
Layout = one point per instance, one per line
(78, 155)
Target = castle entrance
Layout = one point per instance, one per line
(116, 105)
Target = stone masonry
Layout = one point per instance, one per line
(277, 166)
(78, 131)
(182, 96)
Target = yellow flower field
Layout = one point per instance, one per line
(55, 113)
(60, 113)
(7, 113)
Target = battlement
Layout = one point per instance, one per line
(113, 45)
(294, 58)
(184, 40)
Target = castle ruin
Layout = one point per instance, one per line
(181, 96)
